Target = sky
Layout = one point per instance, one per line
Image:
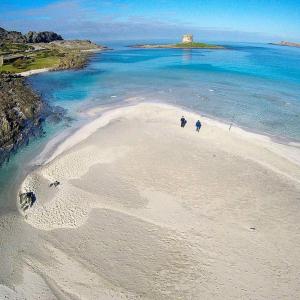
(208, 20)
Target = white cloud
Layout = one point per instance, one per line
(81, 19)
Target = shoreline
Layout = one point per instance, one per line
(72, 137)
(286, 44)
(35, 71)
(194, 208)
(188, 45)
(179, 48)
(107, 113)
(274, 138)
(53, 69)
(101, 116)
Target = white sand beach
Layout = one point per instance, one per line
(33, 72)
(146, 209)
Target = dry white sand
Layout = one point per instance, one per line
(149, 210)
(36, 71)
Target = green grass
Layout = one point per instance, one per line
(10, 48)
(53, 57)
(34, 63)
(195, 45)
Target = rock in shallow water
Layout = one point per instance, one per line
(22, 113)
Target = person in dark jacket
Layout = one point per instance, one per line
(183, 121)
(198, 125)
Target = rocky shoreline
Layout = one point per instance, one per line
(22, 113)
(39, 50)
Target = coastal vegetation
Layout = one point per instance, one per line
(197, 45)
(38, 50)
(72, 54)
(21, 109)
(38, 60)
(8, 48)
(187, 42)
(72, 60)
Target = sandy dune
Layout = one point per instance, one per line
(146, 209)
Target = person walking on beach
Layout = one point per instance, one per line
(198, 125)
(183, 121)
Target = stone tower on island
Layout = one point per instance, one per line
(187, 38)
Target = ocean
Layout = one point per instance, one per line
(254, 86)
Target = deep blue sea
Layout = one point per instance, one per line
(257, 86)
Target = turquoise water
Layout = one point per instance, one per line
(11, 173)
(256, 86)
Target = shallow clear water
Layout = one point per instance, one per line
(11, 173)
(255, 85)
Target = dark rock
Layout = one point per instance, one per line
(22, 113)
(27, 200)
(42, 37)
(30, 37)
(11, 36)
(20, 110)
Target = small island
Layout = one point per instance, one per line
(186, 43)
(288, 44)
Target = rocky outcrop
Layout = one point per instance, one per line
(73, 60)
(81, 45)
(21, 114)
(20, 110)
(11, 36)
(31, 37)
(42, 37)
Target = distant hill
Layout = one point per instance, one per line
(285, 43)
(30, 37)
(42, 37)
(11, 36)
